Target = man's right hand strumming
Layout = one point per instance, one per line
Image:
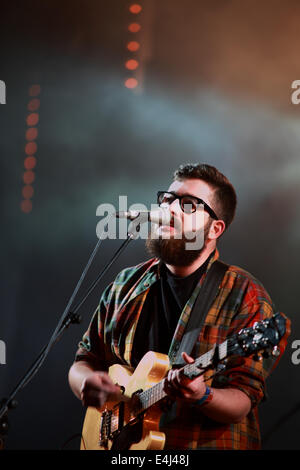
(92, 387)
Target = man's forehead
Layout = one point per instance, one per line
(194, 187)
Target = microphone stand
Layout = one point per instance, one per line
(65, 321)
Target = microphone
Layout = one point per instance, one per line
(157, 216)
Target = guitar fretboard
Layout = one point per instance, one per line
(154, 394)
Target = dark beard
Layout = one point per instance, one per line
(173, 251)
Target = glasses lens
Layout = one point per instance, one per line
(165, 198)
(189, 204)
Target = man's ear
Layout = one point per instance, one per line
(216, 229)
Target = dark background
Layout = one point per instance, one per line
(215, 86)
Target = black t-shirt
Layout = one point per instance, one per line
(161, 312)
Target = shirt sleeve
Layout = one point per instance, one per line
(91, 348)
(250, 377)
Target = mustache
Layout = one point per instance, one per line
(174, 222)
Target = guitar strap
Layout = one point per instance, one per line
(202, 304)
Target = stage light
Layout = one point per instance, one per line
(33, 104)
(133, 46)
(32, 119)
(131, 83)
(29, 163)
(34, 90)
(134, 27)
(27, 192)
(132, 64)
(26, 206)
(28, 177)
(30, 148)
(31, 133)
(135, 8)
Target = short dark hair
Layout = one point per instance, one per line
(225, 199)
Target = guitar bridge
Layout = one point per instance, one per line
(104, 428)
(111, 423)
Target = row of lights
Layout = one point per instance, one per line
(31, 135)
(133, 46)
(32, 119)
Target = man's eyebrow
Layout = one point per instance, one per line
(184, 194)
(190, 195)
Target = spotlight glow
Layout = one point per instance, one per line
(135, 8)
(131, 83)
(132, 64)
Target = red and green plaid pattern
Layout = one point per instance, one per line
(241, 301)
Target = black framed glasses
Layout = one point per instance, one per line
(188, 204)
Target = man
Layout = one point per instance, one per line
(148, 306)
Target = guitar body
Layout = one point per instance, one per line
(150, 370)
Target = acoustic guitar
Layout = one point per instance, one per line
(132, 423)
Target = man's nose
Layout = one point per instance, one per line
(174, 207)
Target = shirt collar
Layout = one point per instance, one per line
(153, 274)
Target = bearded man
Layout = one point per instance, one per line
(148, 306)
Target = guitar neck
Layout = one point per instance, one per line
(154, 394)
(264, 335)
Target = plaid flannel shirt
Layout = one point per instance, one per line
(241, 301)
